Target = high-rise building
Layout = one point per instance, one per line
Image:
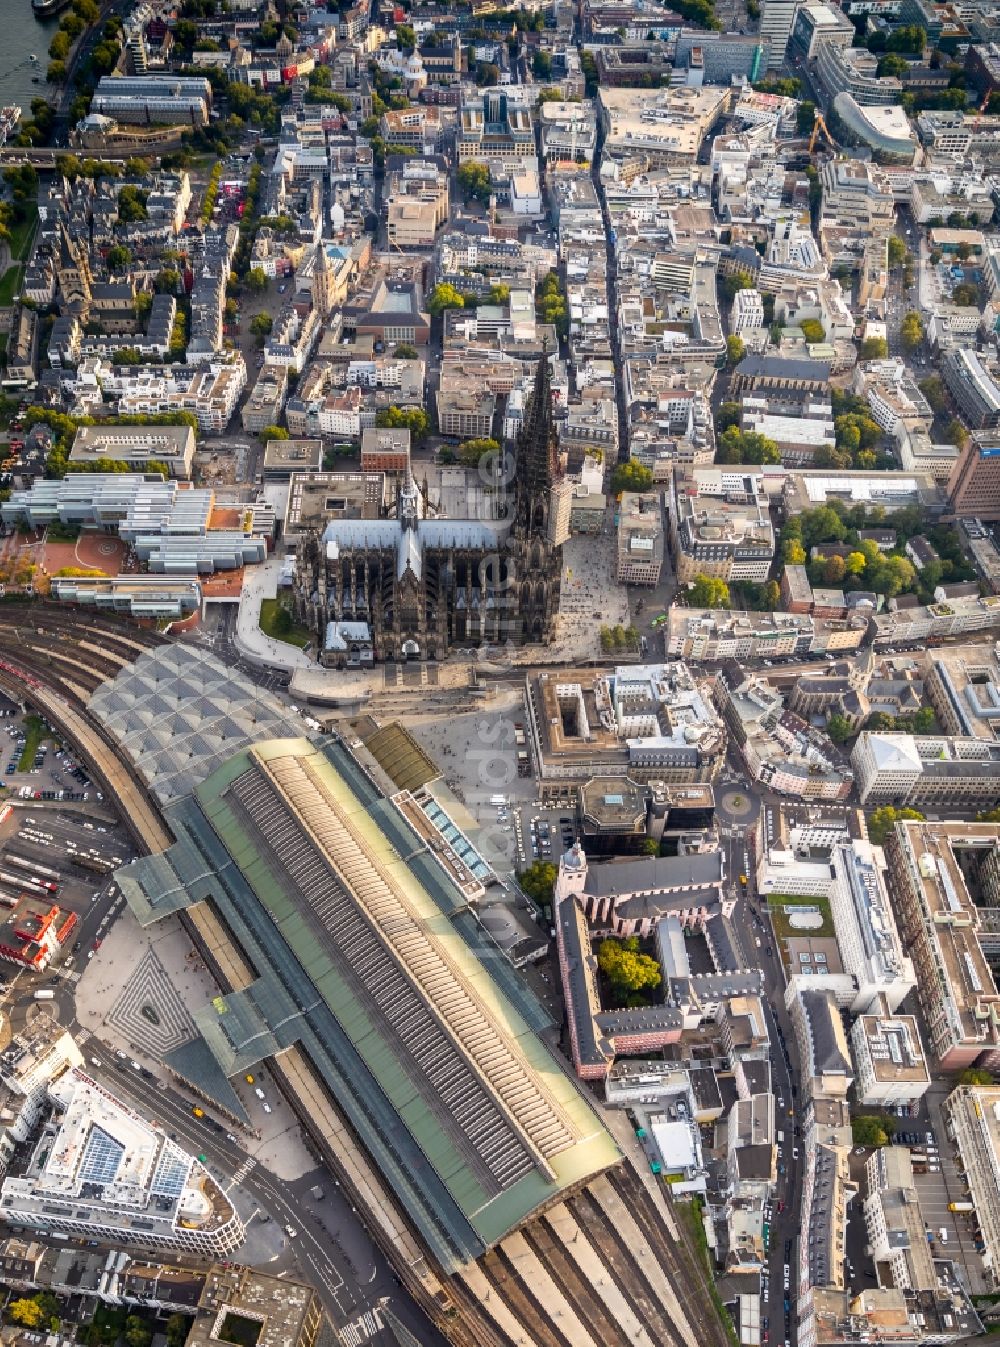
(776, 19)
(974, 485)
(973, 1112)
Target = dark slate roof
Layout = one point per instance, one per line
(650, 873)
(783, 367)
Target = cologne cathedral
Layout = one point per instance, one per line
(413, 586)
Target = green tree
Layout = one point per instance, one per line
(131, 204)
(474, 180)
(137, 1332)
(874, 348)
(274, 433)
(28, 1313)
(487, 74)
(911, 333)
(975, 1075)
(854, 563)
(178, 1326)
(869, 1131)
(406, 38)
(404, 351)
(988, 816)
(261, 324)
(882, 821)
(413, 419)
(444, 296)
(805, 117)
(746, 446)
(728, 415)
(471, 451)
(770, 598)
(966, 295)
(839, 728)
(707, 591)
(631, 476)
(892, 65)
(118, 257)
(257, 280)
(956, 433)
(732, 284)
(541, 65)
(934, 391)
(896, 251)
(538, 882)
(649, 847)
(628, 971)
(812, 330)
(735, 350)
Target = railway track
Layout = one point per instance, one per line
(54, 661)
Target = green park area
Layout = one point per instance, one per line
(21, 233)
(277, 622)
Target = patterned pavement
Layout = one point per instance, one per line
(149, 1012)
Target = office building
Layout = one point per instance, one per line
(776, 19)
(889, 1063)
(149, 99)
(659, 127)
(748, 311)
(962, 683)
(385, 449)
(647, 722)
(727, 539)
(283, 1312)
(926, 771)
(494, 128)
(94, 1169)
(823, 1050)
(640, 539)
(974, 387)
(940, 876)
(974, 485)
(31, 1061)
(149, 596)
(136, 446)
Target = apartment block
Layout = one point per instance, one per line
(973, 1113)
(940, 877)
(894, 1222)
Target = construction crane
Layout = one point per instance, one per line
(820, 125)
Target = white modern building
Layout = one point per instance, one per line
(748, 311)
(889, 1063)
(95, 1169)
(870, 947)
(28, 1065)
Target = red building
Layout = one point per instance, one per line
(34, 931)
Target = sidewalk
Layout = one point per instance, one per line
(259, 583)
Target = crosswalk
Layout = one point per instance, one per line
(243, 1170)
(361, 1329)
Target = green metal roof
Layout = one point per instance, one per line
(336, 901)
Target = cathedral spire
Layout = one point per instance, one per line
(537, 464)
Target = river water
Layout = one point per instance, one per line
(22, 35)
